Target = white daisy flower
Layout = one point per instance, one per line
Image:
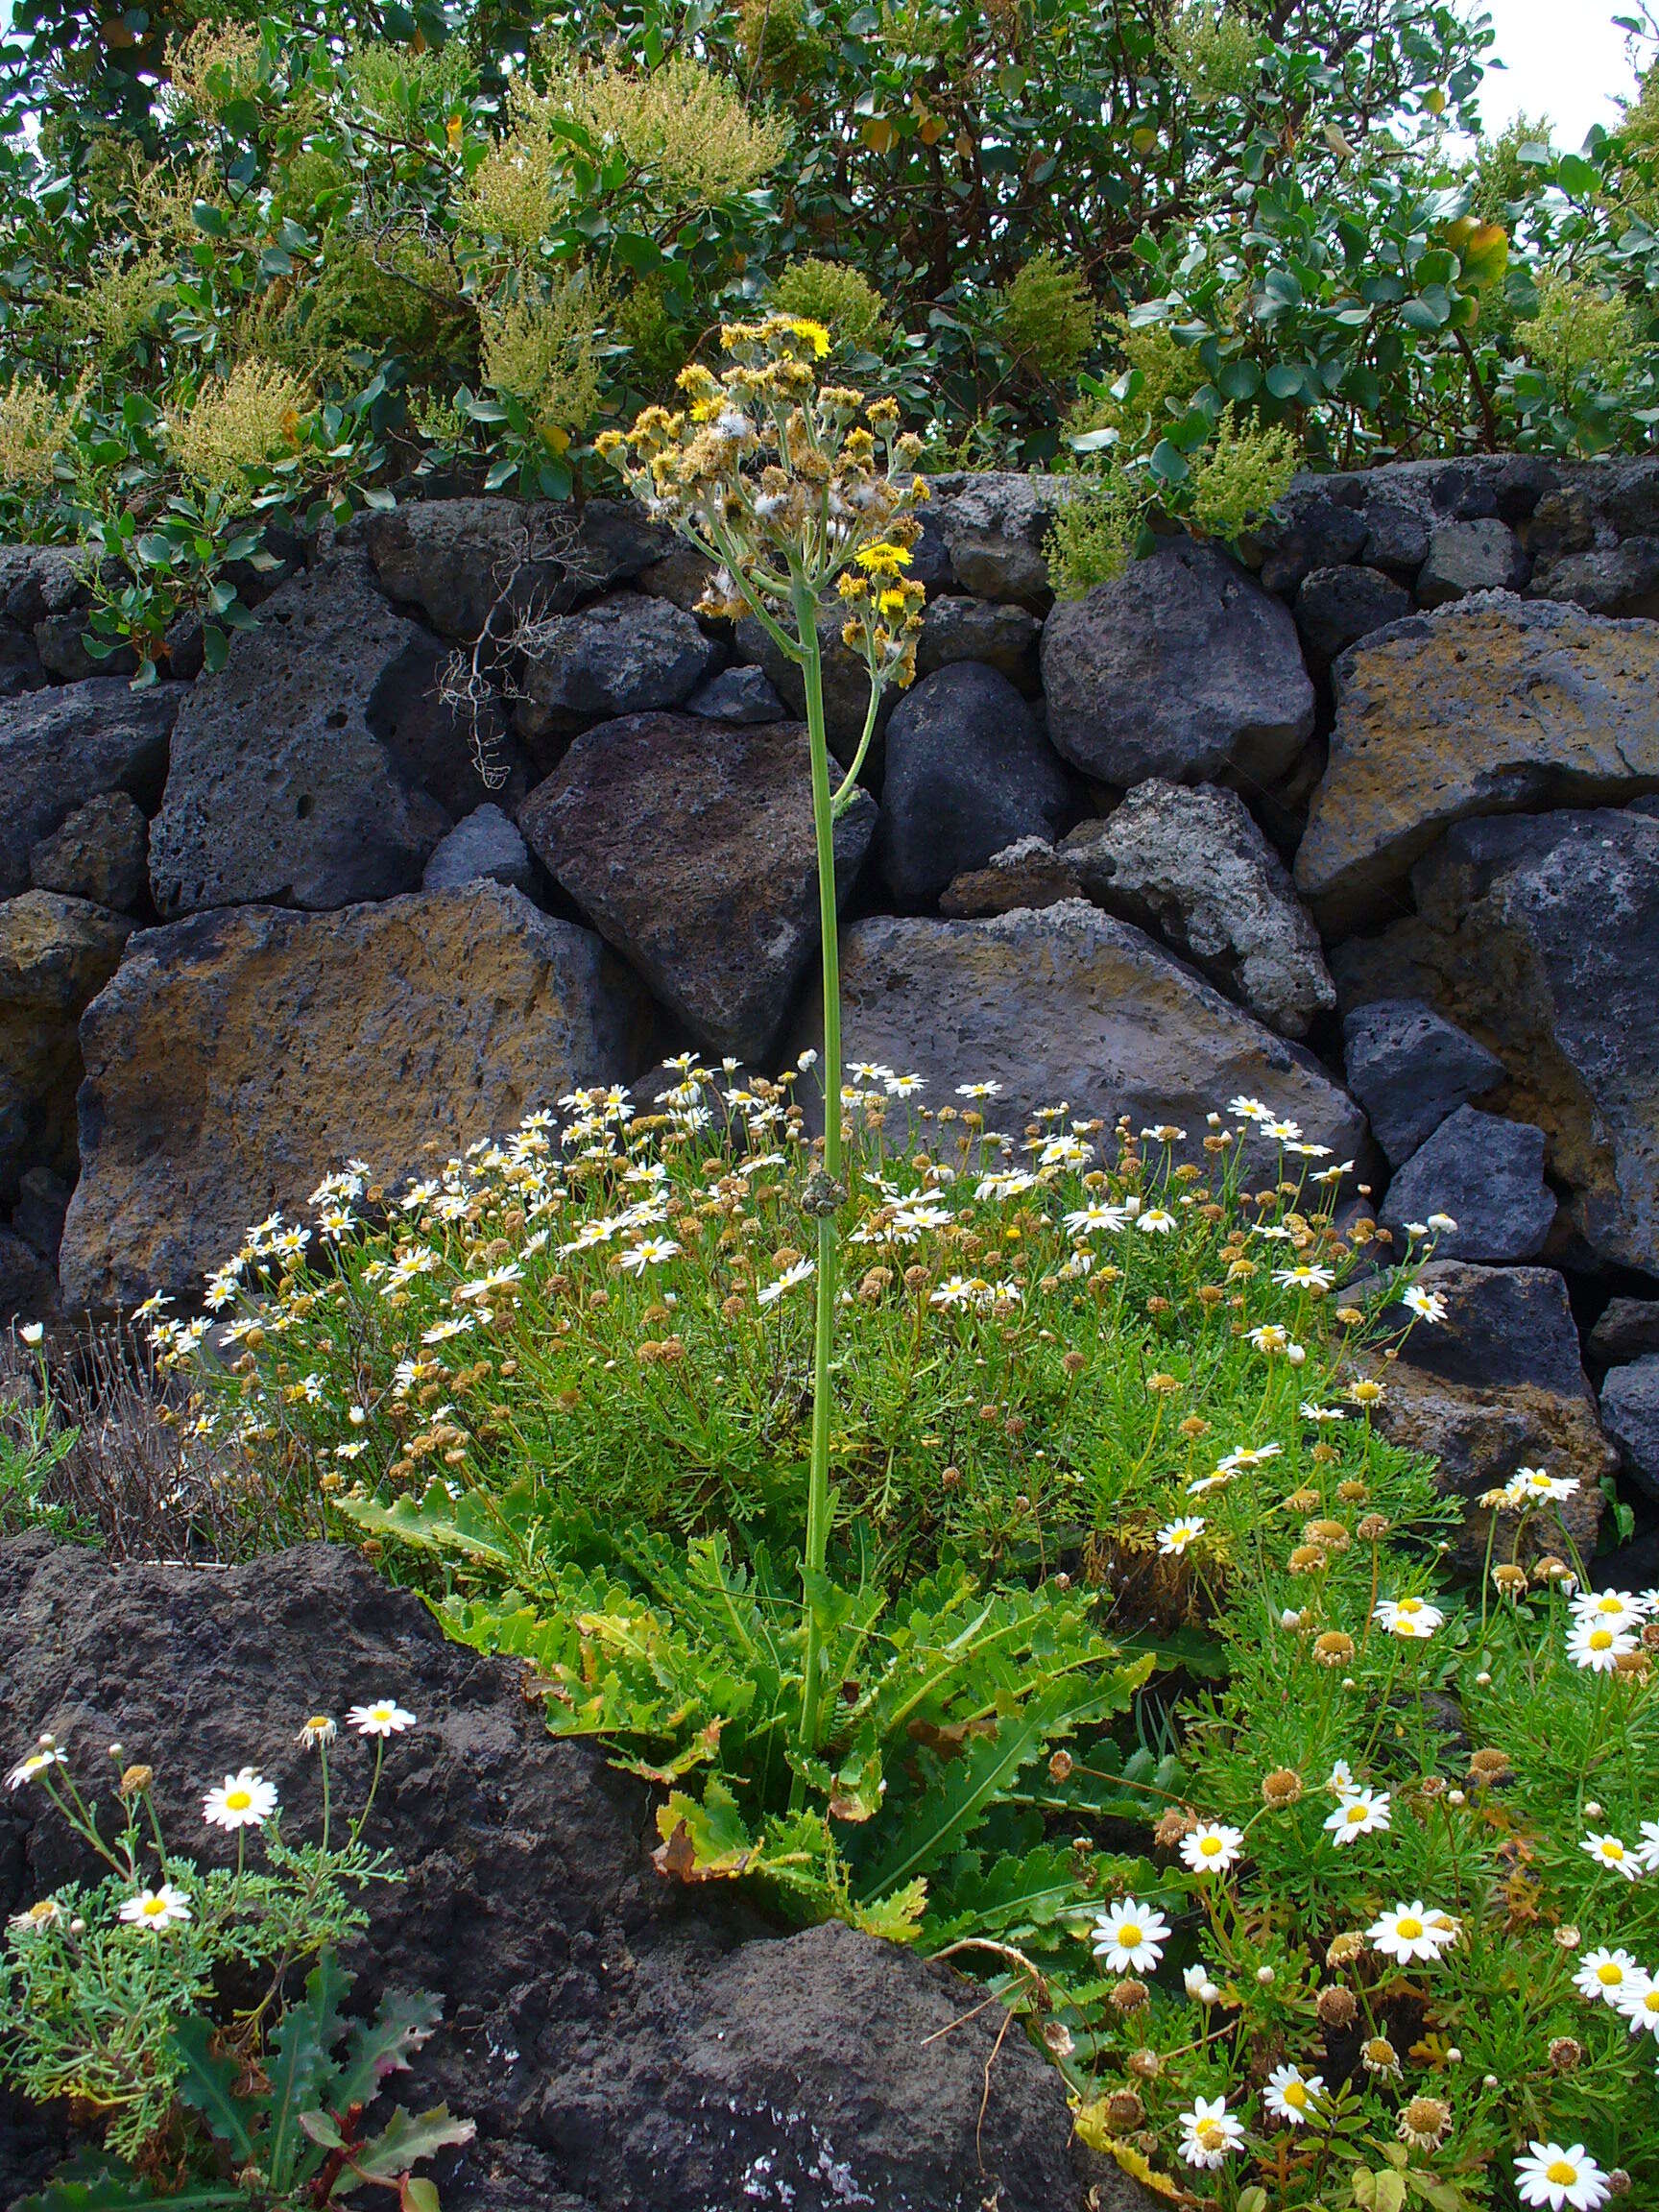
(1087, 1219)
(1561, 2179)
(1414, 1620)
(1250, 1109)
(1612, 1852)
(1156, 1222)
(1175, 1536)
(1596, 1646)
(1414, 1931)
(1212, 1847)
(1303, 1275)
(1290, 2094)
(1362, 1812)
(244, 1799)
(801, 1271)
(978, 1090)
(1638, 2002)
(1208, 2132)
(1650, 1846)
(36, 1763)
(1610, 1608)
(384, 1718)
(1603, 1974)
(1130, 1937)
(1313, 1412)
(157, 1909)
(653, 1252)
(1426, 1304)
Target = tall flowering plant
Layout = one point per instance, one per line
(794, 488)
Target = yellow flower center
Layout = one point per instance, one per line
(1211, 1846)
(155, 1907)
(1295, 2093)
(238, 1801)
(1600, 1639)
(1129, 1937)
(1354, 1812)
(1609, 1975)
(1408, 1928)
(1612, 1848)
(1211, 2133)
(1561, 2170)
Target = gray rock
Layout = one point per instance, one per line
(1028, 872)
(961, 628)
(995, 526)
(1540, 935)
(1069, 1004)
(56, 954)
(62, 747)
(286, 782)
(1395, 537)
(1336, 607)
(1491, 705)
(1409, 1067)
(737, 695)
(1183, 667)
(1630, 1416)
(626, 654)
(1308, 531)
(683, 576)
(100, 853)
(1464, 557)
(485, 848)
(1605, 580)
(61, 645)
(454, 558)
(1628, 1329)
(690, 846)
(968, 772)
(846, 679)
(1496, 1385)
(28, 1286)
(1488, 1176)
(1191, 866)
(37, 1215)
(238, 1056)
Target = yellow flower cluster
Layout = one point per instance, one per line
(33, 429)
(250, 418)
(788, 484)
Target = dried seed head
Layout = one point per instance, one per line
(1178, 1822)
(1125, 2111)
(1373, 1527)
(1060, 1767)
(1130, 1995)
(1342, 1950)
(1146, 2064)
(1335, 1648)
(1336, 2007)
(1424, 2123)
(1058, 2038)
(1074, 1363)
(135, 1781)
(1282, 1786)
(1378, 2055)
(1332, 1534)
(1490, 1765)
(1352, 1491)
(1566, 2053)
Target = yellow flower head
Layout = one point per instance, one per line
(883, 557)
(814, 333)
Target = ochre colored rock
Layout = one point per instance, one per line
(239, 1056)
(1493, 705)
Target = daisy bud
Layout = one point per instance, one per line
(134, 1781)
(1488, 2080)
(1338, 2008)
(1482, 1680)
(1125, 2111)
(951, 1477)
(1566, 2055)
(1265, 1975)
(1567, 1936)
(1618, 2182)
(77, 1926)
(1454, 2056)
(1592, 1809)
(1456, 1797)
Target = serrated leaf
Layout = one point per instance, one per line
(385, 2045)
(408, 2137)
(207, 2084)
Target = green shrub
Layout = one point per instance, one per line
(830, 292)
(1046, 318)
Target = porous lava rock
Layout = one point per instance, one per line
(1182, 667)
(1630, 1416)
(486, 847)
(28, 1291)
(1336, 607)
(455, 559)
(1484, 555)
(1496, 1385)
(968, 772)
(1627, 1329)
(994, 528)
(737, 695)
(623, 655)
(1068, 1004)
(1409, 1067)
(1540, 936)
(237, 1057)
(100, 853)
(56, 954)
(1494, 705)
(690, 846)
(1487, 1175)
(1190, 865)
(623, 2045)
(59, 748)
(286, 783)
(1028, 872)
(957, 628)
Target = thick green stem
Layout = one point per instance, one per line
(824, 1327)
